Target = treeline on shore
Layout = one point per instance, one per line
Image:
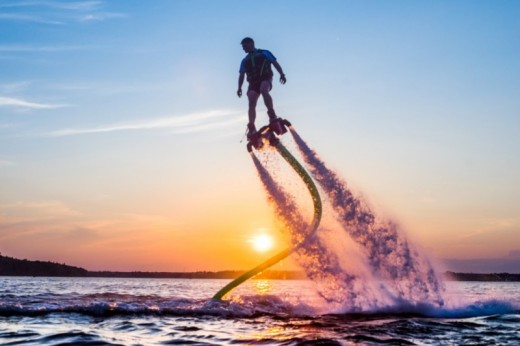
(501, 277)
(21, 267)
(10, 266)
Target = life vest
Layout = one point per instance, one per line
(257, 66)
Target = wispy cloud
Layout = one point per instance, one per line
(211, 126)
(19, 103)
(514, 253)
(100, 16)
(36, 211)
(13, 87)
(106, 88)
(56, 12)
(6, 163)
(66, 5)
(28, 18)
(189, 123)
(5, 125)
(40, 49)
(77, 5)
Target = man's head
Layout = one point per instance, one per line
(248, 45)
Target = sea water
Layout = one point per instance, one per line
(118, 311)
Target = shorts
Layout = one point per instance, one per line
(255, 85)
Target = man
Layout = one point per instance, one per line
(257, 66)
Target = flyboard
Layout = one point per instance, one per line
(269, 134)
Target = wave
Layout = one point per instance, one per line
(245, 306)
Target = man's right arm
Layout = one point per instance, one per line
(240, 82)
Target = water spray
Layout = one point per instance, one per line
(363, 262)
(269, 133)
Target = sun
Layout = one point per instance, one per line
(262, 242)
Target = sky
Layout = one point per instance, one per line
(120, 127)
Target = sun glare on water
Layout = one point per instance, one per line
(262, 242)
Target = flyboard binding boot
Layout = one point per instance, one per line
(254, 137)
(276, 123)
(277, 126)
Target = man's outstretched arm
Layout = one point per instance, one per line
(280, 71)
(240, 82)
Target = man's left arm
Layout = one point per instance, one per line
(280, 71)
(276, 65)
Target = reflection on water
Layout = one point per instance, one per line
(262, 287)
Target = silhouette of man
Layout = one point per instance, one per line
(257, 66)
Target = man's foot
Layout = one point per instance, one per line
(276, 124)
(272, 116)
(251, 131)
(250, 134)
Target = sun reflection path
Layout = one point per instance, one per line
(262, 287)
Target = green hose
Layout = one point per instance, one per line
(313, 227)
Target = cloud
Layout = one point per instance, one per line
(81, 234)
(195, 122)
(105, 88)
(65, 5)
(16, 102)
(211, 126)
(6, 163)
(72, 5)
(22, 212)
(31, 227)
(56, 12)
(514, 253)
(45, 49)
(7, 88)
(97, 17)
(27, 18)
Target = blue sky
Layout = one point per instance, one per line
(120, 128)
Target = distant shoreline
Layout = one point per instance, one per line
(16, 267)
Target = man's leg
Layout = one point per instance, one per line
(265, 87)
(252, 96)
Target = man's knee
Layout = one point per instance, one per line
(265, 87)
(252, 94)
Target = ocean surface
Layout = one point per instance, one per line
(106, 311)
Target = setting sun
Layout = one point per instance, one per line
(262, 242)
